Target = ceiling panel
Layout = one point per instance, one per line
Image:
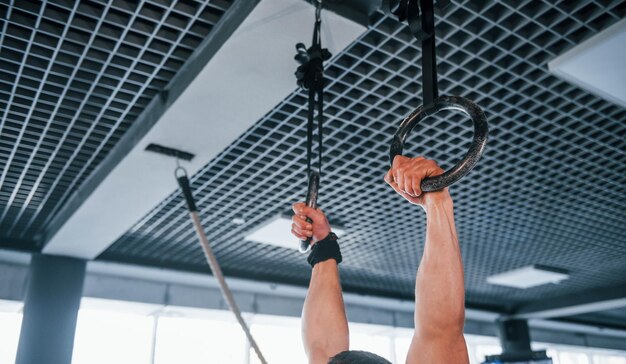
(73, 77)
(549, 190)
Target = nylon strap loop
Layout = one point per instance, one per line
(310, 75)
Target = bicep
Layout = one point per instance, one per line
(442, 349)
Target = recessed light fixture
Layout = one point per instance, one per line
(597, 64)
(238, 221)
(277, 232)
(527, 277)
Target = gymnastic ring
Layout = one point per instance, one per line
(470, 159)
(311, 201)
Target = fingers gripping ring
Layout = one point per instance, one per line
(468, 162)
(311, 201)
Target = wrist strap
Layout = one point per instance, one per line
(325, 249)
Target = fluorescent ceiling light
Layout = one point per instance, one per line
(526, 277)
(277, 232)
(597, 65)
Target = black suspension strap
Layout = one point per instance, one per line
(420, 16)
(310, 77)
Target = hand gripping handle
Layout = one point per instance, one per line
(465, 165)
(311, 201)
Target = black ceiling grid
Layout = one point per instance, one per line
(549, 190)
(73, 77)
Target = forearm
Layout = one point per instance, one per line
(439, 289)
(324, 323)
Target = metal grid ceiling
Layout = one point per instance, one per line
(550, 189)
(74, 75)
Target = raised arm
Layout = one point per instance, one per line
(324, 323)
(439, 288)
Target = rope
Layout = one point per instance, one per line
(183, 182)
(226, 292)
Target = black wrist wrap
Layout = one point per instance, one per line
(325, 249)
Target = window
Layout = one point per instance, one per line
(565, 354)
(10, 325)
(482, 350)
(279, 338)
(198, 341)
(124, 333)
(104, 337)
(553, 354)
(479, 346)
(401, 347)
(375, 339)
(606, 359)
(568, 357)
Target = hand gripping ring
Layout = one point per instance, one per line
(311, 201)
(468, 162)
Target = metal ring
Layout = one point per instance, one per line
(311, 201)
(468, 162)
